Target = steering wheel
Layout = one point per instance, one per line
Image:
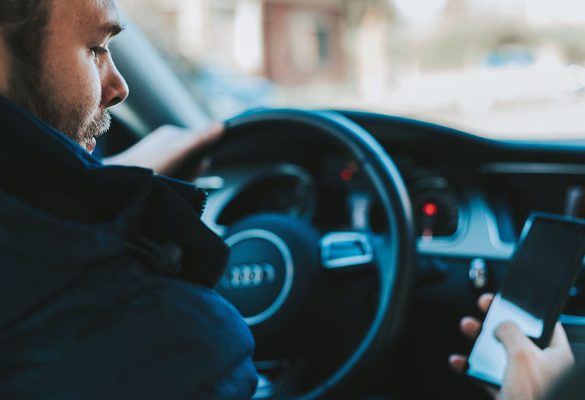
(279, 264)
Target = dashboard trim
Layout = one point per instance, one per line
(472, 243)
(574, 320)
(533, 168)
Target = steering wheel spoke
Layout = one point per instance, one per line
(220, 230)
(347, 251)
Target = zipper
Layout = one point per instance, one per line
(204, 196)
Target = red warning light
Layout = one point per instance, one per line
(347, 174)
(430, 209)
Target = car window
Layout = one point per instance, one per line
(500, 68)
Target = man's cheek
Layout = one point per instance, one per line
(67, 74)
(97, 81)
(89, 83)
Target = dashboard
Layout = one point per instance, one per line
(335, 196)
(469, 196)
(459, 210)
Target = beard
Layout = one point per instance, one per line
(32, 90)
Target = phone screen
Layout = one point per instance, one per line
(543, 269)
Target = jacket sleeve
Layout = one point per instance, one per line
(121, 332)
(175, 341)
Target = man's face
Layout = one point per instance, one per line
(77, 79)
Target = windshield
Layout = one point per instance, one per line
(501, 68)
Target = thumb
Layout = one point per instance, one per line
(559, 338)
(510, 335)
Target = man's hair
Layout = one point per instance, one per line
(22, 26)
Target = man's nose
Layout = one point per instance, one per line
(115, 89)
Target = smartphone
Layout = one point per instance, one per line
(548, 257)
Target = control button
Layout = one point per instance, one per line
(478, 272)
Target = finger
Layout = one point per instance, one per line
(207, 137)
(485, 301)
(510, 335)
(559, 338)
(188, 164)
(458, 362)
(470, 327)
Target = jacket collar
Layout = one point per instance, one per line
(62, 212)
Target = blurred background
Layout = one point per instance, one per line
(500, 68)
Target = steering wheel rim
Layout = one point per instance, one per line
(395, 267)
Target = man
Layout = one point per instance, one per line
(105, 272)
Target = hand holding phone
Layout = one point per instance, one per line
(531, 371)
(547, 260)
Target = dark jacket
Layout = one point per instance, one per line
(105, 279)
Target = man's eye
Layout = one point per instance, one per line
(99, 50)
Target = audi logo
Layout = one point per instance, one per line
(248, 276)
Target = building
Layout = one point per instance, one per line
(291, 42)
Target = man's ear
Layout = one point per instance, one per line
(4, 65)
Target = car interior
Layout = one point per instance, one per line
(394, 227)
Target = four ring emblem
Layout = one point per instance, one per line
(248, 276)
